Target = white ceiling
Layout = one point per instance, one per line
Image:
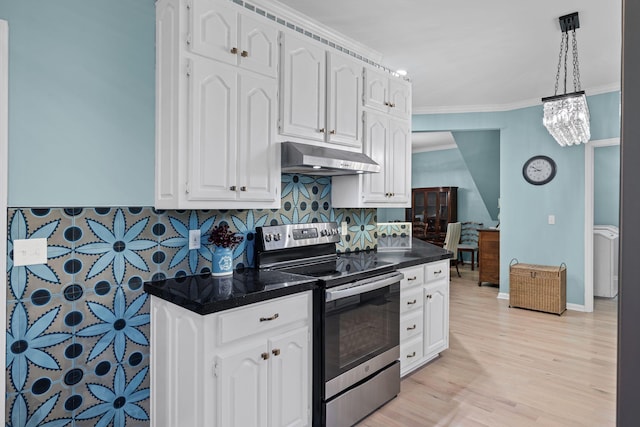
(470, 55)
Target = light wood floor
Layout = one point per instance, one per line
(512, 367)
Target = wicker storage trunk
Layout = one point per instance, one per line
(538, 287)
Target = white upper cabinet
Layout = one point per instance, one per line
(216, 112)
(386, 93)
(344, 88)
(302, 100)
(220, 32)
(387, 141)
(320, 93)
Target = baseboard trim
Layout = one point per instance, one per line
(575, 307)
(503, 295)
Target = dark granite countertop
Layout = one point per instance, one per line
(205, 294)
(420, 252)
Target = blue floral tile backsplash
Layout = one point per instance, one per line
(79, 327)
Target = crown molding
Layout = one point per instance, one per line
(310, 24)
(494, 108)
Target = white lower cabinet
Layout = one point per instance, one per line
(202, 373)
(424, 314)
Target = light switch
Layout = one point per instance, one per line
(552, 219)
(29, 251)
(194, 239)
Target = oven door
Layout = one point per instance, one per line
(361, 330)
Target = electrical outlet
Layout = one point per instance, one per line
(194, 239)
(344, 230)
(29, 251)
(552, 219)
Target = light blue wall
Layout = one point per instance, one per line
(606, 180)
(481, 153)
(81, 102)
(525, 233)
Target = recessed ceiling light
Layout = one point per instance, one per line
(402, 72)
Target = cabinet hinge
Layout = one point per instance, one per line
(188, 68)
(215, 370)
(186, 187)
(189, 5)
(188, 39)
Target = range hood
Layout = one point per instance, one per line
(311, 160)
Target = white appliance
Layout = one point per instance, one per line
(605, 260)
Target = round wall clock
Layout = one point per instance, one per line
(539, 170)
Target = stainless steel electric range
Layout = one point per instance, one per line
(356, 319)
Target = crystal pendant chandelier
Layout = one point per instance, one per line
(566, 116)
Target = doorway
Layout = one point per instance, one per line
(589, 209)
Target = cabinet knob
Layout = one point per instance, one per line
(321, 130)
(234, 50)
(333, 132)
(243, 188)
(412, 302)
(411, 328)
(276, 351)
(244, 54)
(386, 103)
(392, 105)
(264, 356)
(267, 319)
(232, 188)
(411, 355)
(429, 296)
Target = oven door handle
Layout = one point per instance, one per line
(363, 286)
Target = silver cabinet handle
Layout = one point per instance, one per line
(412, 302)
(363, 286)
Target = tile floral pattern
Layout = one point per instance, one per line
(78, 327)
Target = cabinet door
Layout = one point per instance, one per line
(242, 388)
(212, 134)
(303, 89)
(214, 31)
(344, 83)
(376, 85)
(436, 318)
(290, 387)
(258, 177)
(376, 143)
(258, 45)
(399, 162)
(399, 98)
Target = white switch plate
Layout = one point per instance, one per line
(29, 251)
(344, 230)
(552, 219)
(194, 239)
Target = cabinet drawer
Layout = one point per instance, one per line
(437, 270)
(412, 276)
(411, 300)
(262, 317)
(410, 352)
(411, 326)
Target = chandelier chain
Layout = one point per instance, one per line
(576, 64)
(559, 64)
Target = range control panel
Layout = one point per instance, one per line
(285, 236)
